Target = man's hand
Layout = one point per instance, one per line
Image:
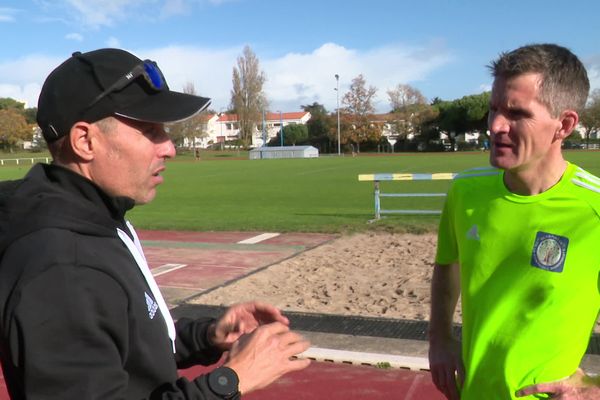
(578, 386)
(241, 319)
(445, 363)
(261, 357)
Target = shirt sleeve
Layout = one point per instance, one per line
(192, 345)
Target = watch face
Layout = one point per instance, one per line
(223, 381)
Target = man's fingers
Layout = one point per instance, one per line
(451, 389)
(438, 377)
(444, 380)
(274, 328)
(298, 364)
(441, 381)
(265, 313)
(296, 348)
(549, 388)
(460, 374)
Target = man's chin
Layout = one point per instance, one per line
(140, 201)
(500, 162)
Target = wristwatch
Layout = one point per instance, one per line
(224, 382)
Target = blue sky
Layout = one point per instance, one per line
(440, 47)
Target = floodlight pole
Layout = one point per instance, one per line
(281, 130)
(337, 90)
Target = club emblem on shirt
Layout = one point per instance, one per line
(152, 305)
(549, 252)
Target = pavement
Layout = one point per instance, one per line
(352, 358)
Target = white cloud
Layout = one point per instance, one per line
(74, 36)
(107, 13)
(219, 2)
(100, 13)
(594, 76)
(485, 87)
(297, 79)
(292, 80)
(22, 78)
(7, 14)
(174, 7)
(208, 69)
(113, 42)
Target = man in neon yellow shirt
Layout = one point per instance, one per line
(519, 241)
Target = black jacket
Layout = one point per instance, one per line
(74, 317)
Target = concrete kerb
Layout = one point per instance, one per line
(372, 359)
(398, 353)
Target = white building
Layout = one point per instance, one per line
(207, 132)
(222, 128)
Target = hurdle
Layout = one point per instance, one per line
(376, 178)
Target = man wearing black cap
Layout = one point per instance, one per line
(81, 316)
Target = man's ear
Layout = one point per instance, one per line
(82, 140)
(568, 122)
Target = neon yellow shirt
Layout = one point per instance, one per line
(529, 277)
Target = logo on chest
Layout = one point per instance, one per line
(549, 252)
(152, 305)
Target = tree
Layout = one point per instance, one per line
(6, 103)
(321, 132)
(407, 104)
(30, 114)
(315, 109)
(415, 119)
(405, 95)
(191, 128)
(247, 97)
(590, 116)
(463, 115)
(13, 128)
(475, 108)
(292, 135)
(359, 105)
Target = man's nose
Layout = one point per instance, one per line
(497, 123)
(166, 149)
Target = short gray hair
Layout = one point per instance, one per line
(57, 148)
(565, 84)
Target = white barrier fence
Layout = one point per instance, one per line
(20, 161)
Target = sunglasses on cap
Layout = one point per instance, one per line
(148, 69)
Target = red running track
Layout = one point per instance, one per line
(322, 380)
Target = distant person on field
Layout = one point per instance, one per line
(81, 316)
(519, 242)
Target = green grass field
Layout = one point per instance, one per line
(310, 195)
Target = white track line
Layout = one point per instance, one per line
(259, 238)
(354, 357)
(163, 269)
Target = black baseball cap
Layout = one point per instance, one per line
(109, 82)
